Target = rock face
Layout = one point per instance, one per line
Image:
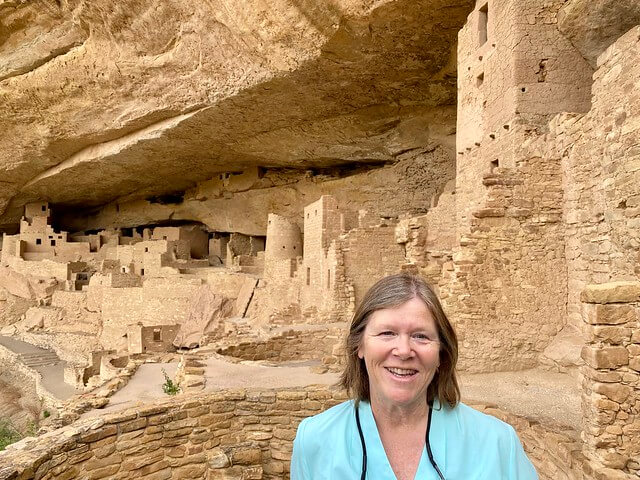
(133, 99)
(593, 26)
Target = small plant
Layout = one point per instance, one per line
(169, 386)
(46, 414)
(8, 434)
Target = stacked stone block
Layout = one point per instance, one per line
(611, 396)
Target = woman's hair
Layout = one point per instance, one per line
(390, 292)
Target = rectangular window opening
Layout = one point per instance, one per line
(157, 335)
(53, 243)
(38, 241)
(308, 275)
(480, 80)
(483, 22)
(328, 278)
(495, 164)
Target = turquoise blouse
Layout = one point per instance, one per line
(466, 445)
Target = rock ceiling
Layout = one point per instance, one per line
(593, 26)
(109, 99)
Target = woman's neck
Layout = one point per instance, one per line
(399, 416)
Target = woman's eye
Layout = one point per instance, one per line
(421, 336)
(386, 333)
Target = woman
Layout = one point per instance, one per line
(406, 420)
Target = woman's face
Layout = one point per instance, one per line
(401, 351)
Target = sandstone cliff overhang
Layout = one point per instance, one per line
(104, 100)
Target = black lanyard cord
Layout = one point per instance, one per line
(364, 446)
(426, 442)
(428, 445)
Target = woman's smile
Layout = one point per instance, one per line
(402, 372)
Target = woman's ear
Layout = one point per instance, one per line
(360, 353)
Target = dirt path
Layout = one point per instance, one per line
(548, 397)
(146, 384)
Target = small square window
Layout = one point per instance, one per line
(53, 243)
(38, 241)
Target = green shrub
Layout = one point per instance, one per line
(8, 434)
(169, 386)
(46, 414)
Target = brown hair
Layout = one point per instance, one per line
(390, 292)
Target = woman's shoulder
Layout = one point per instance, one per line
(322, 442)
(328, 420)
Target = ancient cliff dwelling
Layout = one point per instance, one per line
(194, 196)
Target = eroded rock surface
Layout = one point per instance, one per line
(593, 26)
(110, 99)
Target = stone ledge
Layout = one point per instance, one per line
(613, 292)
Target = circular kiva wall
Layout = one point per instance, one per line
(228, 435)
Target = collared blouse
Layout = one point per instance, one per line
(466, 445)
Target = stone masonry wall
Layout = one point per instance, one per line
(611, 395)
(601, 167)
(369, 254)
(291, 345)
(233, 434)
(224, 435)
(321, 227)
(160, 301)
(507, 290)
(44, 268)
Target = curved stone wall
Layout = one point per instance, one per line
(235, 434)
(226, 435)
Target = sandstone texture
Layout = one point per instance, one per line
(593, 26)
(136, 99)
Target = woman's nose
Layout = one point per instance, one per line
(403, 346)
